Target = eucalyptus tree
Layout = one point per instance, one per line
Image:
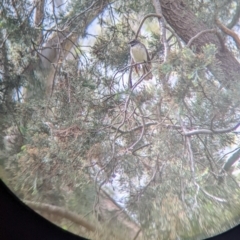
(82, 124)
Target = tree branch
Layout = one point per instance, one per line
(147, 16)
(198, 35)
(208, 131)
(229, 32)
(236, 17)
(231, 160)
(61, 212)
(186, 25)
(162, 25)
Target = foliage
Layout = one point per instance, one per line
(157, 148)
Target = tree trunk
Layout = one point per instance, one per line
(187, 25)
(64, 42)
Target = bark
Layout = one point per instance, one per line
(112, 212)
(229, 32)
(109, 211)
(39, 16)
(231, 160)
(61, 212)
(7, 85)
(187, 25)
(39, 12)
(58, 48)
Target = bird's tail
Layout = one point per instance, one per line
(146, 69)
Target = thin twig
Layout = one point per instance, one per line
(147, 16)
(199, 34)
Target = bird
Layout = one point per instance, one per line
(139, 54)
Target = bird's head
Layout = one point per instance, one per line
(133, 42)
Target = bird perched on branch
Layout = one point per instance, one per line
(140, 54)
